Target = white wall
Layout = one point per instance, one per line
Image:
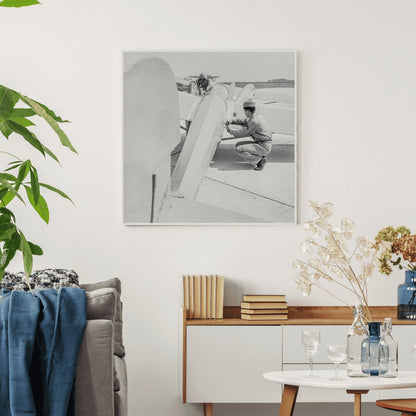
(357, 143)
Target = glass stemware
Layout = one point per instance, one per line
(337, 354)
(310, 342)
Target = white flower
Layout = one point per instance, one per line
(305, 247)
(348, 224)
(297, 264)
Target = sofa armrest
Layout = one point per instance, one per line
(94, 386)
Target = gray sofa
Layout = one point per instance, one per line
(101, 379)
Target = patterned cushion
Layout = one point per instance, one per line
(46, 278)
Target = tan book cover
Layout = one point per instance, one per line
(264, 311)
(213, 296)
(219, 313)
(209, 301)
(203, 297)
(186, 294)
(263, 305)
(191, 296)
(264, 298)
(197, 299)
(263, 317)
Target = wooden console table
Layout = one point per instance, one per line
(224, 359)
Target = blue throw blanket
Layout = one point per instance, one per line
(40, 338)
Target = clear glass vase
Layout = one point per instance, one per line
(357, 334)
(388, 352)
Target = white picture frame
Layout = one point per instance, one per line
(181, 164)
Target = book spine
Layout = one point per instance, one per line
(214, 296)
(203, 297)
(197, 295)
(220, 297)
(191, 296)
(209, 301)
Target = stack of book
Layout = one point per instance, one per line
(264, 307)
(203, 297)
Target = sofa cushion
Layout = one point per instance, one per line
(101, 304)
(40, 279)
(118, 320)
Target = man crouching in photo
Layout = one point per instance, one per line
(253, 151)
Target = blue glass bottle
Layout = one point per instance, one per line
(406, 302)
(370, 353)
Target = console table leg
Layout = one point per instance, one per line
(357, 400)
(208, 409)
(288, 400)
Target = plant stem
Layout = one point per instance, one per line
(326, 274)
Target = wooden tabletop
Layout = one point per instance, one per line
(402, 405)
(305, 315)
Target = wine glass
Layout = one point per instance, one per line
(310, 342)
(337, 354)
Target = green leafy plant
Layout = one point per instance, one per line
(22, 174)
(18, 3)
(20, 180)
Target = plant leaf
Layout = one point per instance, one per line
(18, 3)
(6, 103)
(7, 212)
(51, 113)
(22, 112)
(10, 248)
(50, 153)
(27, 254)
(23, 171)
(36, 250)
(6, 231)
(41, 207)
(50, 117)
(3, 192)
(58, 191)
(8, 177)
(25, 122)
(6, 131)
(15, 162)
(5, 219)
(27, 135)
(11, 194)
(34, 183)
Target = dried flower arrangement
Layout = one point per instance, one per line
(334, 258)
(394, 245)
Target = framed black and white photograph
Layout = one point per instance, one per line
(209, 137)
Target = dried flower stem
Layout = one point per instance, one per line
(334, 262)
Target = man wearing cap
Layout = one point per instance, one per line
(203, 83)
(254, 151)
